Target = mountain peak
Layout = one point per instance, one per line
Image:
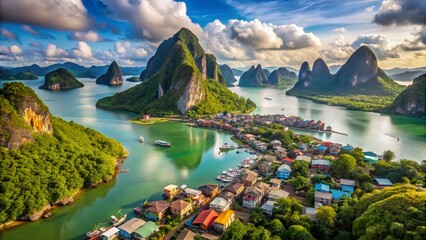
(113, 76)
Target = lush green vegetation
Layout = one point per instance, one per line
(25, 75)
(62, 77)
(54, 167)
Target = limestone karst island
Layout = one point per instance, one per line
(233, 120)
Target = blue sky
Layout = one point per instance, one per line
(239, 33)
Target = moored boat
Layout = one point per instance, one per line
(141, 139)
(117, 221)
(163, 143)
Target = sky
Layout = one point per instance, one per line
(240, 33)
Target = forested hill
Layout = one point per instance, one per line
(44, 160)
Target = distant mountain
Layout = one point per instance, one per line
(237, 72)
(266, 72)
(282, 78)
(60, 79)
(179, 79)
(7, 75)
(359, 75)
(112, 77)
(75, 69)
(254, 77)
(228, 75)
(394, 71)
(411, 101)
(407, 75)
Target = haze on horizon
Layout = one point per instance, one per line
(239, 33)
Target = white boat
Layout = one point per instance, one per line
(230, 170)
(163, 143)
(141, 139)
(183, 186)
(219, 177)
(117, 221)
(226, 147)
(224, 172)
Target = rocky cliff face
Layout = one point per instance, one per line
(320, 71)
(112, 77)
(60, 79)
(282, 78)
(22, 114)
(411, 101)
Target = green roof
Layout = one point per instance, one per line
(147, 229)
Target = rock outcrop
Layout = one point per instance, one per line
(178, 78)
(282, 78)
(60, 79)
(228, 75)
(21, 115)
(254, 77)
(411, 101)
(112, 77)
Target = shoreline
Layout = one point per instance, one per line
(154, 120)
(16, 223)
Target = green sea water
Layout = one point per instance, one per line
(194, 158)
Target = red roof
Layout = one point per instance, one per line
(327, 144)
(287, 159)
(206, 218)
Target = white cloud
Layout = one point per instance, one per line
(4, 50)
(83, 50)
(15, 50)
(125, 50)
(339, 50)
(57, 14)
(122, 47)
(90, 36)
(294, 37)
(53, 51)
(378, 43)
(369, 9)
(8, 35)
(154, 20)
(339, 30)
(401, 12)
(254, 33)
(140, 52)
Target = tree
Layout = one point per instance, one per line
(236, 231)
(300, 168)
(326, 215)
(343, 166)
(388, 155)
(297, 232)
(299, 183)
(276, 227)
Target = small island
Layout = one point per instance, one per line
(133, 79)
(60, 79)
(24, 75)
(112, 77)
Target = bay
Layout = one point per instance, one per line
(194, 159)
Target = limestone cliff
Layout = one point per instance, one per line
(22, 114)
(112, 77)
(178, 78)
(411, 101)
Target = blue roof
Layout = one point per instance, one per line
(322, 187)
(348, 147)
(188, 223)
(321, 148)
(383, 181)
(320, 162)
(347, 188)
(337, 194)
(369, 153)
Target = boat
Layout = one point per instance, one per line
(183, 186)
(267, 98)
(138, 210)
(163, 143)
(141, 139)
(124, 170)
(238, 152)
(219, 177)
(282, 109)
(117, 221)
(224, 172)
(226, 147)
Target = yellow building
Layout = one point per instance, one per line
(224, 220)
(170, 191)
(180, 208)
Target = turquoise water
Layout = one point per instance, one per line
(194, 158)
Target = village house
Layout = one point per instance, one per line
(110, 234)
(321, 187)
(382, 182)
(304, 158)
(180, 208)
(248, 177)
(268, 207)
(336, 195)
(210, 190)
(224, 220)
(219, 204)
(371, 157)
(254, 194)
(170, 191)
(275, 194)
(347, 185)
(335, 149)
(205, 219)
(147, 230)
(276, 143)
(227, 195)
(280, 152)
(264, 168)
(322, 197)
(196, 196)
(186, 234)
(321, 165)
(310, 212)
(320, 150)
(275, 183)
(283, 172)
(236, 188)
(156, 210)
(128, 228)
